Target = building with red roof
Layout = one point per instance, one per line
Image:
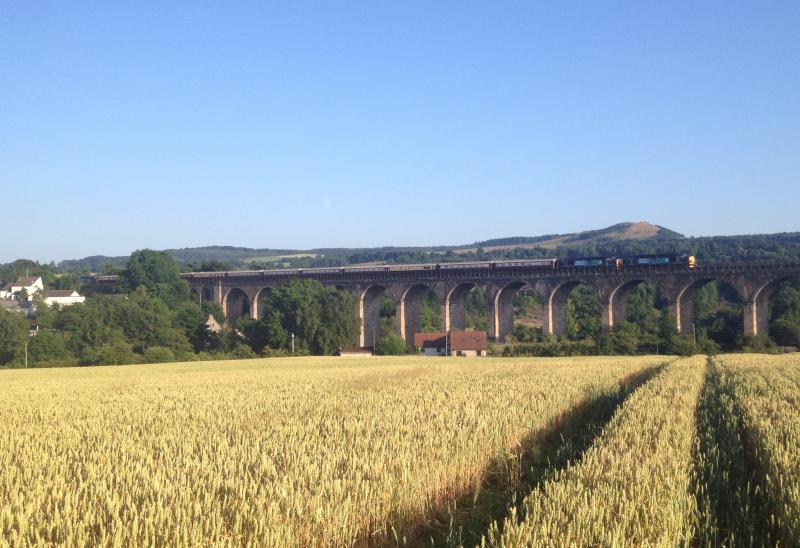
(454, 343)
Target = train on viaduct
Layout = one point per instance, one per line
(678, 278)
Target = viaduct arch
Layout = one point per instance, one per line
(453, 312)
(369, 314)
(240, 293)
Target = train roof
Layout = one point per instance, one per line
(654, 255)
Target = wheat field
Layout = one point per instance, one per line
(280, 452)
(766, 394)
(633, 487)
(366, 452)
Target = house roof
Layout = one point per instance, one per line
(429, 340)
(468, 340)
(61, 293)
(27, 281)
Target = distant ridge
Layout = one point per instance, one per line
(617, 240)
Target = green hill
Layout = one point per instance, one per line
(629, 238)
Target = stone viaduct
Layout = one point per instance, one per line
(240, 292)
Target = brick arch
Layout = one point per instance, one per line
(556, 309)
(411, 290)
(202, 293)
(756, 312)
(615, 307)
(684, 303)
(501, 309)
(408, 314)
(235, 304)
(258, 305)
(767, 288)
(369, 313)
(453, 309)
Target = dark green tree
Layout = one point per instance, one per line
(583, 313)
(191, 318)
(158, 272)
(761, 344)
(275, 333)
(387, 314)
(45, 315)
(786, 332)
(527, 334)
(476, 309)
(49, 349)
(214, 266)
(786, 301)
(322, 319)
(91, 334)
(641, 308)
(725, 326)
(391, 345)
(429, 314)
(254, 332)
(69, 280)
(13, 334)
(147, 321)
(624, 339)
(785, 311)
(116, 351)
(158, 354)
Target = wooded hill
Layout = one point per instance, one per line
(617, 240)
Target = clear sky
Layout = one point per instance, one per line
(137, 124)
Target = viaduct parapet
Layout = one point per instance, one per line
(239, 293)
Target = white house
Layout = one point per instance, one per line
(31, 284)
(62, 297)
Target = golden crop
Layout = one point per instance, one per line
(633, 487)
(307, 451)
(766, 390)
(331, 451)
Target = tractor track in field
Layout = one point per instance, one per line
(730, 483)
(509, 480)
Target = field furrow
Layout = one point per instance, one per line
(514, 474)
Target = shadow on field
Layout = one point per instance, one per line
(512, 477)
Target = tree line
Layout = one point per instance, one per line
(151, 316)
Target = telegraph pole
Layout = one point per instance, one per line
(26, 351)
(292, 343)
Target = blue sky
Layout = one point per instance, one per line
(126, 125)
